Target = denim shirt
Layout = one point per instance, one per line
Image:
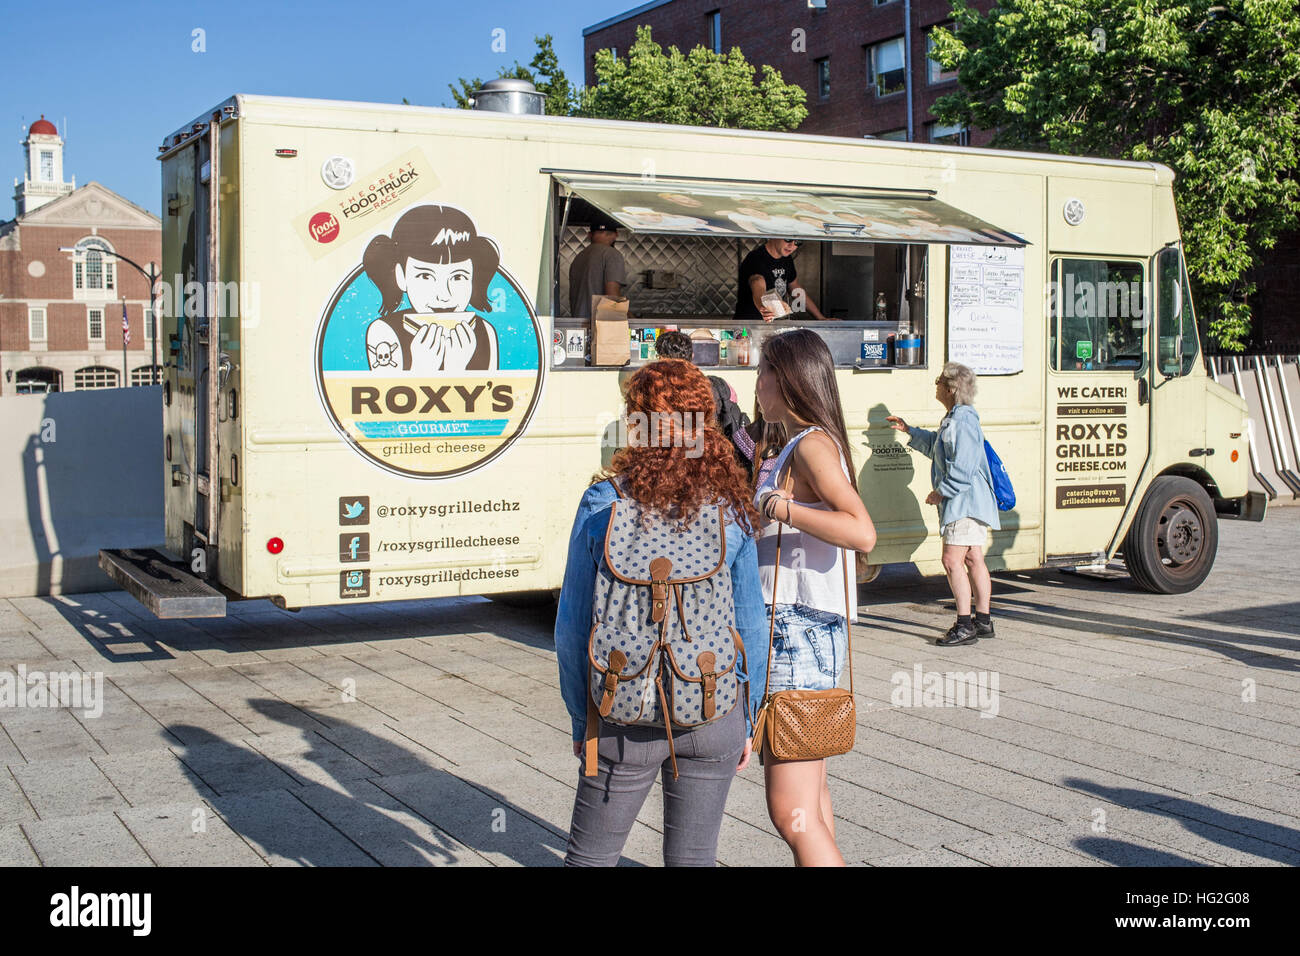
(573, 618)
(960, 469)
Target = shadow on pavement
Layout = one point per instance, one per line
(1262, 839)
(343, 815)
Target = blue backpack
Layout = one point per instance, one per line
(1002, 490)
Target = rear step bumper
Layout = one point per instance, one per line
(165, 587)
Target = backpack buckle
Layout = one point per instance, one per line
(660, 569)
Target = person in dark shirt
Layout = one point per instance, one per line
(770, 268)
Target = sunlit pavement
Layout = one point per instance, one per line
(1102, 725)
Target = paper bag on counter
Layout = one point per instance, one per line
(609, 331)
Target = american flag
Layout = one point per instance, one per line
(126, 328)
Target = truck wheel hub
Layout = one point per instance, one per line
(1179, 534)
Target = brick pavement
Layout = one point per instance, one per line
(1130, 729)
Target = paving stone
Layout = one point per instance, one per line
(67, 788)
(14, 848)
(100, 838)
(153, 776)
(286, 832)
(187, 834)
(234, 767)
(386, 828)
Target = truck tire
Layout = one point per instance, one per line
(1171, 545)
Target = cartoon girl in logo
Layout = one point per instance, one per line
(442, 266)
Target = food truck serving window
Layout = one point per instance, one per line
(715, 207)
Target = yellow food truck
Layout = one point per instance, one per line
(376, 389)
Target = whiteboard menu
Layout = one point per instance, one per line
(986, 299)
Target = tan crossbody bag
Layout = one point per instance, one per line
(806, 724)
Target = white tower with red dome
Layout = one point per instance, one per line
(43, 181)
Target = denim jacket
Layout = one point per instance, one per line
(959, 468)
(573, 618)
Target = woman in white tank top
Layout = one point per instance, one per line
(823, 517)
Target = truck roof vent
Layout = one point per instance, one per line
(509, 96)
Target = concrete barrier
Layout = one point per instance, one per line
(85, 472)
(1271, 386)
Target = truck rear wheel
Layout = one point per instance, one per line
(1171, 545)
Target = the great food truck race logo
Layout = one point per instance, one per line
(429, 355)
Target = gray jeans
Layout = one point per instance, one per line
(607, 804)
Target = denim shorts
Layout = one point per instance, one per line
(809, 648)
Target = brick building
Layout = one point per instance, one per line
(61, 312)
(848, 56)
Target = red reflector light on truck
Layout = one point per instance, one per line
(1233, 456)
(275, 545)
(286, 153)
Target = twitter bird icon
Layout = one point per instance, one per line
(354, 509)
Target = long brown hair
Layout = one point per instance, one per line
(805, 374)
(658, 469)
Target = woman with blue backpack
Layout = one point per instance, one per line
(963, 490)
(660, 634)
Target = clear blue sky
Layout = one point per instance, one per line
(123, 74)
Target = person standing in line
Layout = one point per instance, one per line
(770, 268)
(826, 522)
(963, 490)
(597, 270)
(676, 476)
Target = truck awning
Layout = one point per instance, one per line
(718, 207)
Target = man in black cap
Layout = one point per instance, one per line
(597, 270)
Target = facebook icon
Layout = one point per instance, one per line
(354, 547)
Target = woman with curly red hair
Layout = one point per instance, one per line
(676, 464)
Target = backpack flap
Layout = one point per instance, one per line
(695, 550)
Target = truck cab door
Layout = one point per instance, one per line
(1098, 395)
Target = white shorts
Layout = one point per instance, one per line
(966, 532)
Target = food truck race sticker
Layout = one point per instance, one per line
(429, 354)
(331, 223)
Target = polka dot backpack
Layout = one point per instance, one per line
(663, 647)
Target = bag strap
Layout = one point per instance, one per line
(788, 485)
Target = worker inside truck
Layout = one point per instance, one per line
(768, 287)
(702, 254)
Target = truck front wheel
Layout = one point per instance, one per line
(1171, 545)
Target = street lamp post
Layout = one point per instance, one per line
(152, 276)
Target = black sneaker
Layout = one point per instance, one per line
(959, 633)
(983, 630)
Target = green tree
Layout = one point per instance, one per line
(1208, 88)
(699, 88)
(543, 71)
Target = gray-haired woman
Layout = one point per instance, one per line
(963, 490)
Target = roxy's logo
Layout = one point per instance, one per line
(429, 356)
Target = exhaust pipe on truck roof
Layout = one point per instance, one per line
(509, 96)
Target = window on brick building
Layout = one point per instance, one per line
(37, 380)
(947, 135)
(934, 72)
(881, 3)
(895, 134)
(36, 325)
(887, 67)
(714, 21)
(824, 78)
(150, 330)
(146, 375)
(93, 270)
(95, 325)
(95, 376)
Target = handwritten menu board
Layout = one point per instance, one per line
(986, 298)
